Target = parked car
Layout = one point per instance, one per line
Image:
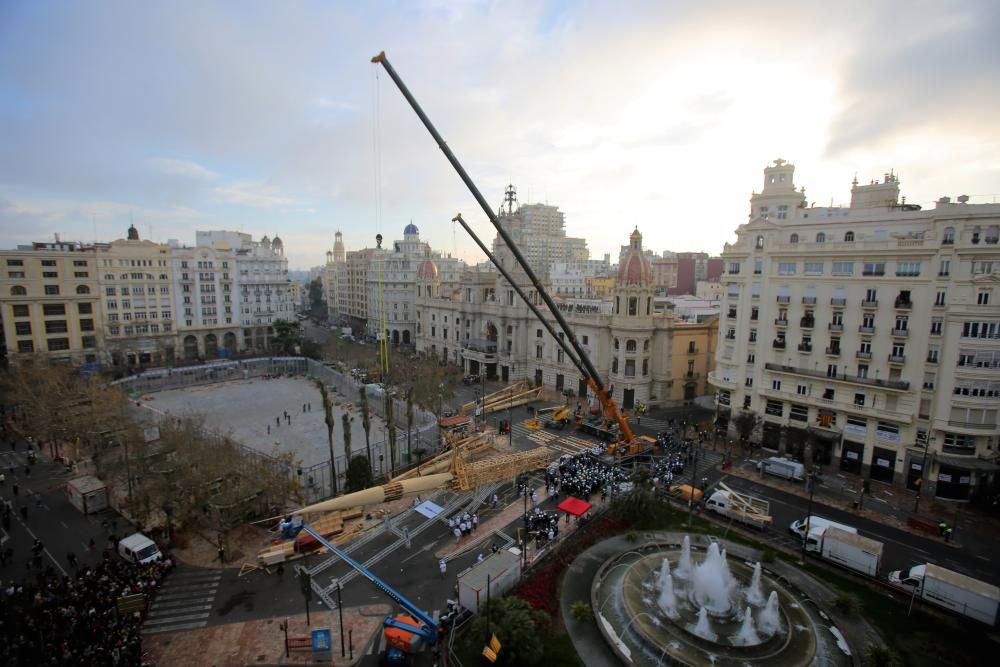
(470, 379)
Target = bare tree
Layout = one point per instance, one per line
(391, 431)
(409, 422)
(366, 423)
(330, 421)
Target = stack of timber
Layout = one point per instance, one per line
(333, 526)
(511, 396)
(496, 468)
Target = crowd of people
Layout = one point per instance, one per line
(583, 475)
(74, 620)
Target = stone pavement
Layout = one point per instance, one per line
(262, 642)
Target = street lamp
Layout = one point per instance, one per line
(811, 479)
(920, 481)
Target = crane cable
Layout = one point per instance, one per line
(381, 334)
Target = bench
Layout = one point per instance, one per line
(300, 643)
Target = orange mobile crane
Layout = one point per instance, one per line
(615, 424)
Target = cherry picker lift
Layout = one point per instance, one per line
(615, 424)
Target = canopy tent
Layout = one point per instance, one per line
(574, 506)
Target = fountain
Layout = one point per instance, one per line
(708, 610)
(770, 619)
(754, 593)
(702, 628)
(667, 602)
(684, 567)
(747, 636)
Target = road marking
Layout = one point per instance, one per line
(158, 604)
(174, 628)
(179, 610)
(173, 619)
(194, 588)
(188, 594)
(45, 549)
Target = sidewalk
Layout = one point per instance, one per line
(262, 642)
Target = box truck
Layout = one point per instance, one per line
(970, 597)
(784, 468)
(740, 507)
(500, 570)
(850, 550)
(799, 526)
(88, 494)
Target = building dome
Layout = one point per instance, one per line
(634, 268)
(276, 243)
(427, 270)
(411, 229)
(265, 241)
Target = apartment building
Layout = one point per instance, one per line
(867, 337)
(49, 304)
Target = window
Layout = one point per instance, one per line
(633, 306)
(831, 370)
(751, 358)
(764, 209)
(848, 236)
(79, 262)
(982, 268)
(57, 344)
(874, 269)
(753, 336)
(862, 371)
(929, 380)
(794, 238)
(786, 268)
(802, 390)
(25, 346)
(775, 408)
(82, 289)
(538, 348)
(55, 326)
(932, 353)
(734, 268)
(821, 238)
(50, 274)
(15, 262)
(630, 368)
(871, 295)
(945, 268)
(898, 350)
(939, 298)
(829, 393)
(776, 385)
(948, 237)
(865, 347)
(52, 290)
(754, 313)
(984, 330)
(22, 328)
(937, 325)
(630, 345)
(18, 290)
(53, 309)
(799, 413)
(908, 269)
(760, 242)
(746, 401)
(813, 268)
(758, 267)
(748, 382)
(983, 298)
(859, 399)
(15, 275)
(20, 311)
(783, 209)
(843, 268)
(48, 262)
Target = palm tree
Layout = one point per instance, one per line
(328, 417)
(391, 424)
(409, 422)
(366, 423)
(346, 428)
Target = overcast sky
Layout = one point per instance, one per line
(269, 118)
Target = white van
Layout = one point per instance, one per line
(139, 549)
(817, 524)
(779, 466)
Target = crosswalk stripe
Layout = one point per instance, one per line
(180, 602)
(186, 577)
(179, 610)
(174, 628)
(193, 588)
(177, 619)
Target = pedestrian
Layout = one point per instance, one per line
(222, 554)
(38, 499)
(458, 538)
(947, 534)
(24, 512)
(3, 478)
(310, 407)
(496, 501)
(479, 558)
(27, 471)
(443, 566)
(534, 498)
(277, 421)
(281, 571)
(16, 488)
(303, 407)
(91, 545)
(269, 429)
(71, 559)
(942, 526)
(475, 521)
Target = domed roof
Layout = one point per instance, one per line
(276, 242)
(265, 240)
(411, 229)
(427, 270)
(634, 268)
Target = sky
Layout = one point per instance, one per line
(268, 117)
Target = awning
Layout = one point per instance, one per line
(457, 420)
(574, 506)
(968, 463)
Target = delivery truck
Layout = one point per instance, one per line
(944, 588)
(847, 549)
(810, 523)
(740, 507)
(88, 494)
(500, 571)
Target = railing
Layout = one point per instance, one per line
(807, 322)
(779, 345)
(866, 330)
(897, 358)
(862, 355)
(834, 326)
(805, 347)
(904, 304)
(784, 299)
(964, 424)
(869, 303)
(900, 333)
(809, 300)
(780, 322)
(731, 314)
(889, 384)
(833, 351)
(838, 302)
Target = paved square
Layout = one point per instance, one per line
(247, 410)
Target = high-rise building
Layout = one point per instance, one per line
(867, 337)
(539, 230)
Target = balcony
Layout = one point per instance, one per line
(833, 351)
(784, 299)
(691, 375)
(809, 300)
(866, 330)
(780, 322)
(932, 358)
(778, 345)
(904, 304)
(965, 424)
(717, 380)
(838, 302)
(805, 347)
(836, 326)
(866, 356)
(731, 314)
(874, 272)
(897, 358)
(900, 385)
(731, 336)
(900, 333)
(807, 322)
(869, 303)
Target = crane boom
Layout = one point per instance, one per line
(591, 375)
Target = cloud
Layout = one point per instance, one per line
(251, 194)
(184, 168)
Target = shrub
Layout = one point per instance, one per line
(847, 604)
(877, 655)
(581, 610)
